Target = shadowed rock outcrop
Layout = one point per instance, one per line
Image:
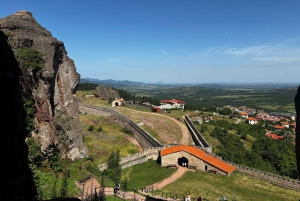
(50, 88)
(106, 92)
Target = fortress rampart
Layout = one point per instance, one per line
(196, 135)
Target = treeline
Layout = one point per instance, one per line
(266, 154)
(87, 86)
(127, 96)
(136, 99)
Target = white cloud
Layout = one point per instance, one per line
(278, 59)
(287, 51)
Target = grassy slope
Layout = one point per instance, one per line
(235, 187)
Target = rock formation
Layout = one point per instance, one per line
(50, 88)
(106, 92)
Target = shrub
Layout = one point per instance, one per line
(91, 128)
(127, 131)
(100, 129)
(29, 57)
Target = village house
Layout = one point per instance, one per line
(279, 128)
(274, 136)
(171, 104)
(117, 102)
(285, 124)
(243, 115)
(251, 121)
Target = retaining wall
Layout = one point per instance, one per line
(197, 136)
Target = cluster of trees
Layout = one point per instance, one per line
(266, 154)
(122, 93)
(87, 86)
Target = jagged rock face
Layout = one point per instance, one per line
(52, 88)
(106, 92)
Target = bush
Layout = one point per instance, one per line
(100, 129)
(91, 128)
(29, 57)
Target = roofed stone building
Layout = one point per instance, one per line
(189, 156)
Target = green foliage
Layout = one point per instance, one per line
(226, 111)
(30, 111)
(100, 129)
(91, 127)
(87, 86)
(145, 174)
(127, 131)
(114, 169)
(30, 58)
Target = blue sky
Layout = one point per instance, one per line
(172, 41)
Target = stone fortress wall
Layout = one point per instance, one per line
(196, 135)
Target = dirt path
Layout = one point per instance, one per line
(180, 171)
(133, 141)
(186, 137)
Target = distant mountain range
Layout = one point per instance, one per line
(129, 84)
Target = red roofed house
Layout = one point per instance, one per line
(171, 104)
(251, 121)
(285, 124)
(243, 114)
(274, 136)
(117, 102)
(278, 127)
(192, 156)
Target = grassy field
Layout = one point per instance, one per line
(238, 186)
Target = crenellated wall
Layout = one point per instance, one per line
(141, 157)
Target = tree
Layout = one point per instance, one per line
(113, 166)
(226, 111)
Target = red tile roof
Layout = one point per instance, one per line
(244, 113)
(173, 101)
(284, 123)
(199, 154)
(279, 127)
(274, 136)
(251, 119)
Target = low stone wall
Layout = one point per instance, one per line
(141, 157)
(282, 181)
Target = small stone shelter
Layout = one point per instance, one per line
(190, 156)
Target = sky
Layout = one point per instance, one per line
(175, 41)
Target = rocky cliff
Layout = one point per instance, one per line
(106, 92)
(47, 79)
